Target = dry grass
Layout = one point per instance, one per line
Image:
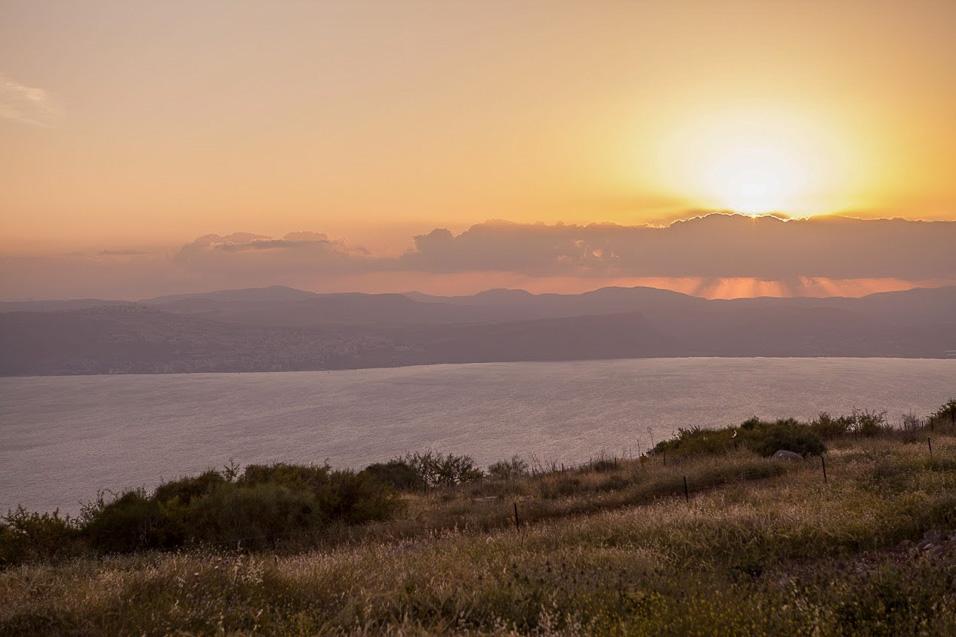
(755, 551)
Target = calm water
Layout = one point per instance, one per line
(63, 438)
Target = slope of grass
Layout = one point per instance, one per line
(759, 548)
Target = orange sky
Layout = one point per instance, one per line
(152, 123)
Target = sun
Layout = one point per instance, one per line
(757, 161)
(755, 177)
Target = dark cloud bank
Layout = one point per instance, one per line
(713, 246)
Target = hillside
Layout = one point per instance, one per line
(700, 537)
(273, 329)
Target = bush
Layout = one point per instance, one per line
(355, 499)
(397, 474)
(264, 505)
(697, 441)
(131, 522)
(508, 469)
(766, 438)
(28, 537)
(828, 427)
(299, 477)
(444, 470)
(869, 423)
(945, 415)
(254, 516)
(185, 490)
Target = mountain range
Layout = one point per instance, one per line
(282, 329)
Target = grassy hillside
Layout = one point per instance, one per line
(752, 546)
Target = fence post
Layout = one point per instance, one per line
(517, 522)
(823, 463)
(929, 443)
(686, 491)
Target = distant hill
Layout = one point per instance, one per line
(55, 305)
(273, 329)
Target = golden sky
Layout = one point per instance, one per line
(147, 123)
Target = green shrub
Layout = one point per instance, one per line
(339, 495)
(185, 490)
(697, 441)
(355, 499)
(828, 427)
(869, 423)
(508, 469)
(255, 516)
(26, 537)
(397, 474)
(945, 415)
(767, 438)
(261, 507)
(299, 477)
(444, 470)
(131, 522)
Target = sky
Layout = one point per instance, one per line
(130, 129)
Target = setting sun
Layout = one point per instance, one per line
(761, 159)
(756, 178)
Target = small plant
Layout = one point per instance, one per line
(945, 415)
(509, 469)
(604, 463)
(444, 470)
(789, 435)
(131, 522)
(397, 474)
(869, 423)
(185, 490)
(828, 427)
(695, 441)
(911, 422)
(26, 536)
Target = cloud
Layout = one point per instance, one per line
(718, 245)
(26, 104)
(121, 253)
(717, 255)
(295, 253)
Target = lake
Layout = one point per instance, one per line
(63, 438)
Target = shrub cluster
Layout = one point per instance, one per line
(397, 474)
(427, 469)
(766, 438)
(859, 423)
(945, 415)
(508, 469)
(762, 437)
(27, 537)
(805, 438)
(261, 507)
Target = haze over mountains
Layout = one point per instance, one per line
(280, 329)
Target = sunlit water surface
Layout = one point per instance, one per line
(64, 438)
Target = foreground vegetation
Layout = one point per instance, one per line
(703, 535)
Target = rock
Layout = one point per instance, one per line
(783, 454)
